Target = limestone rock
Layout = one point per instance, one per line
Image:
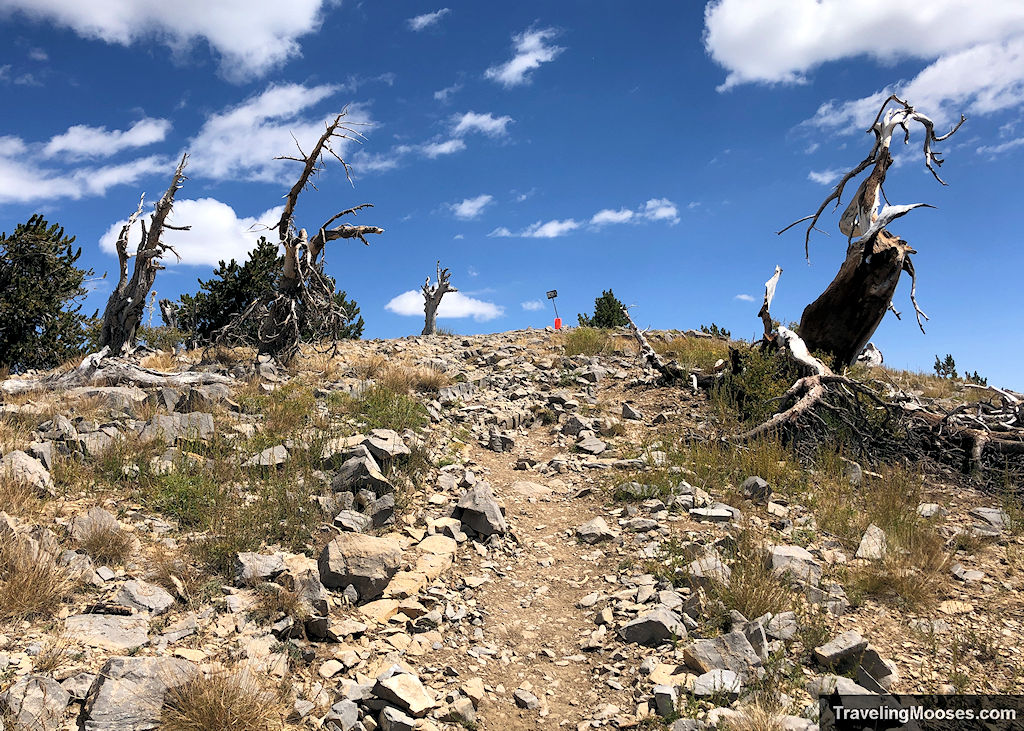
(130, 691)
(144, 597)
(365, 562)
(478, 510)
(654, 627)
(35, 702)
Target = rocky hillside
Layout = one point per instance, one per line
(511, 531)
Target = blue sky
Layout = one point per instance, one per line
(653, 148)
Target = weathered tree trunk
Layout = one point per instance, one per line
(302, 304)
(432, 295)
(123, 313)
(843, 319)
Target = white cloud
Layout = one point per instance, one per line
(242, 141)
(472, 271)
(824, 177)
(470, 208)
(374, 162)
(532, 305)
(531, 50)
(38, 54)
(442, 95)
(660, 209)
(217, 232)
(980, 80)
(1002, 147)
(434, 150)
(550, 230)
(453, 305)
(83, 141)
(487, 124)
(780, 41)
(251, 36)
(655, 209)
(426, 20)
(744, 298)
(23, 180)
(607, 215)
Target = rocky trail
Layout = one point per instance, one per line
(533, 572)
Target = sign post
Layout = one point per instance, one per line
(558, 320)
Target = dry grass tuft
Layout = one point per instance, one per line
(274, 602)
(32, 583)
(109, 545)
(754, 589)
(179, 576)
(586, 341)
(161, 361)
(754, 718)
(226, 699)
(18, 499)
(53, 655)
(693, 352)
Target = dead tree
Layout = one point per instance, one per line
(169, 313)
(432, 295)
(302, 305)
(123, 314)
(843, 319)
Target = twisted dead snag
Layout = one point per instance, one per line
(303, 305)
(123, 313)
(843, 319)
(984, 439)
(432, 294)
(670, 371)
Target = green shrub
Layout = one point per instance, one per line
(585, 341)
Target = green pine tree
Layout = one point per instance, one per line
(607, 312)
(41, 289)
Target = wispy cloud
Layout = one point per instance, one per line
(470, 208)
(81, 141)
(421, 22)
(531, 50)
(1001, 147)
(453, 305)
(532, 305)
(824, 177)
(241, 142)
(486, 124)
(442, 95)
(607, 215)
(437, 149)
(744, 298)
(654, 210)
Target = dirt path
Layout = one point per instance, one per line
(533, 620)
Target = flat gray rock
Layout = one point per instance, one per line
(595, 531)
(130, 691)
(386, 445)
(109, 631)
(144, 597)
(23, 468)
(35, 702)
(654, 627)
(718, 682)
(796, 563)
(842, 647)
(731, 651)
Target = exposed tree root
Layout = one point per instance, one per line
(99, 370)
